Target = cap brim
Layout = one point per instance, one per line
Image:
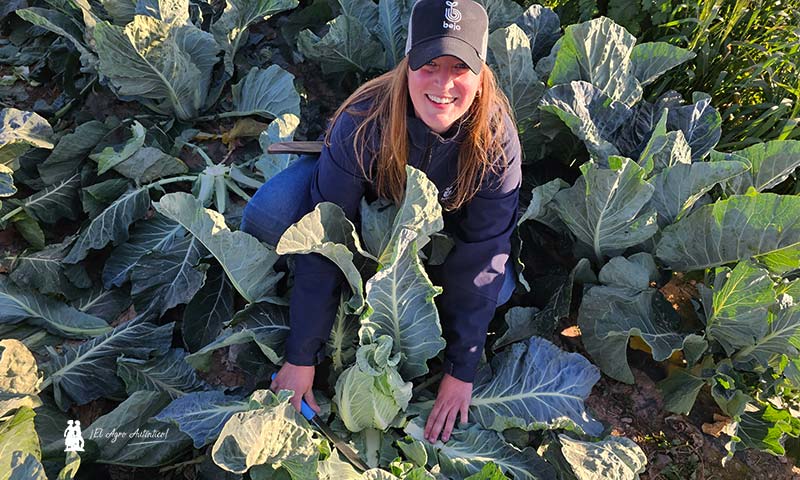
(426, 51)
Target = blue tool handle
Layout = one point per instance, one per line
(305, 410)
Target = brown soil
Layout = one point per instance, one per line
(675, 446)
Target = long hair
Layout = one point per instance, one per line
(484, 123)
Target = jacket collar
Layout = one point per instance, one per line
(422, 136)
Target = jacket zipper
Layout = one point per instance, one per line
(428, 155)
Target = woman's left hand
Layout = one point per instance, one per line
(453, 398)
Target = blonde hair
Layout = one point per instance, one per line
(484, 123)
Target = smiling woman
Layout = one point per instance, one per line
(440, 111)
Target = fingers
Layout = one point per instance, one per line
(448, 424)
(311, 401)
(432, 417)
(295, 401)
(465, 414)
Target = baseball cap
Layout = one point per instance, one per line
(442, 27)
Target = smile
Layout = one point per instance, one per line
(441, 100)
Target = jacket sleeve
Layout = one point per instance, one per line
(473, 272)
(318, 281)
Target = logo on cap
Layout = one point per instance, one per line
(453, 15)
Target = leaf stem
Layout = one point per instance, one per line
(202, 153)
(182, 178)
(235, 189)
(10, 214)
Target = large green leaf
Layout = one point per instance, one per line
(536, 385)
(268, 93)
(664, 149)
(514, 67)
(469, 450)
(765, 430)
(334, 468)
(112, 155)
(96, 359)
(589, 113)
(201, 415)
(365, 11)
(97, 197)
(761, 223)
(154, 234)
(55, 202)
(111, 225)
(206, 313)
(279, 130)
(252, 274)
(614, 458)
(19, 377)
(610, 314)
(500, 12)
(680, 390)
(541, 196)
(167, 66)
(782, 338)
(543, 28)
(18, 440)
(700, 123)
(391, 29)
(678, 187)
(327, 231)
(651, 60)
(46, 272)
(7, 187)
(420, 212)
(605, 207)
(170, 11)
(62, 25)
(162, 280)
(26, 466)
(343, 339)
(598, 52)
(150, 163)
(168, 373)
(273, 433)
(70, 151)
(348, 46)
(265, 323)
(230, 30)
(20, 131)
(371, 393)
(132, 420)
(105, 304)
(770, 164)
(17, 305)
(400, 299)
(738, 316)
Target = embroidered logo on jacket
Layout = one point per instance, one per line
(452, 16)
(448, 192)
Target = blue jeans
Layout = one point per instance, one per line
(284, 199)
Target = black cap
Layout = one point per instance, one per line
(441, 27)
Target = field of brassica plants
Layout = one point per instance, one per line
(655, 328)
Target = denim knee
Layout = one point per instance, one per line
(280, 202)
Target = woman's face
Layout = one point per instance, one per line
(442, 91)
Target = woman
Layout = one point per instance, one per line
(458, 129)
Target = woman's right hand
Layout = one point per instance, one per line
(299, 379)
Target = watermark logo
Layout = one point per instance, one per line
(73, 439)
(452, 16)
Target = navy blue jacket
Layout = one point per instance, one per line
(472, 273)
